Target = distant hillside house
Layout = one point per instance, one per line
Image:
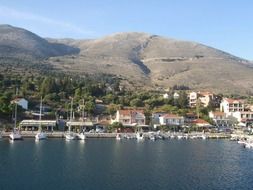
(171, 120)
(130, 117)
(204, 97)
(193, 97)
(166, 96)
(21, 102)
(176, 95)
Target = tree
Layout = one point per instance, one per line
(89, 107)
(182, 100)
(136, 103)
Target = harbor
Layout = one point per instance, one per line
(164, 135)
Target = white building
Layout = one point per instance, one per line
(21, 102)
(171, 120)
(130, 117)
(204, 97)
(229, 105)
(176, 95)
(166, 96)
(244, 116)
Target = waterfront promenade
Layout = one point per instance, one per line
(60, 134)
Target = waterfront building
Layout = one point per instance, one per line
(219, 119)
(130, 117)
(171, 120)
(47, 125)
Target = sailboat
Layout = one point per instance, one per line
(81, 135)
(15, 134)
(139, 136)
(69, 135)
(40, 135)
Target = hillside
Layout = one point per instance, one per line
(141, 60)
(20, 43)
(155, 61)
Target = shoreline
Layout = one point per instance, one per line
(58, 134)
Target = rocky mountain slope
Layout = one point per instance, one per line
(140, 59)
(20, 43)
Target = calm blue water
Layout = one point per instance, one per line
(109, 164)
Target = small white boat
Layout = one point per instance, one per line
(15, 135)
(81, 136)
(241, 142)
(152, 137)
(40, 136)
(203, 137)
(139, 136)
(179, 137)
(118, 136)
(248, 145)
(70, 136)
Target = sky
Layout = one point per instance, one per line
(222, 24)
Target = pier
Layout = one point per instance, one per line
(60, 134)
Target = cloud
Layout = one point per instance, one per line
(16, 14)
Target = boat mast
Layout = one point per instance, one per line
(71, 113)
(15, 113)
(40, 113)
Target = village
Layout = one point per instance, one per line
(228, 115)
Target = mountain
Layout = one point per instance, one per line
(153, 61)
(20, 43)
(141, 60)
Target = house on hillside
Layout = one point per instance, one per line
(192, 97)
(229, 105)
(166, 96)
(176, 96)
(21, 102)
(204, 98)
(130, 117)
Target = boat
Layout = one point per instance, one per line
(152, 137)
(70, 135)
(203, 137)
(81, 136)
(40, 135)
(15, 134)
(118, 136)
(179, 137)
(139, 136)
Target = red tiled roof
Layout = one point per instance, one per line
(232, 101)
(171, 116)
(130, 112)
(205, 93)
(218, 113)
(200, 121)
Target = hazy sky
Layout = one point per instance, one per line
(223, 24)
